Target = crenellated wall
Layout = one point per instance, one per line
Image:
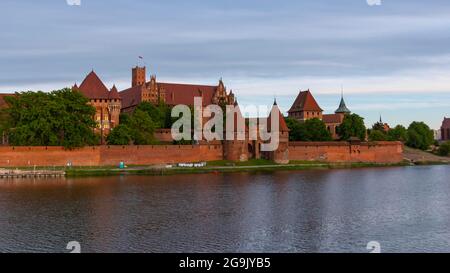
(377, 152)
(108, 155)
(373, 152)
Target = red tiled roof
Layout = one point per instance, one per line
(114, 94)
(3, 103)
(446, 123)
(93, 88)
(332, 118)
(305, 102)
(131, 96)
(184, 93)
(176, 93)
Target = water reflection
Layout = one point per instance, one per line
(406, 209)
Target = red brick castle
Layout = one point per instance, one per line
(306, 107)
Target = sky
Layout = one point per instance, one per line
(392, 59)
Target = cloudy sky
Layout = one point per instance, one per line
(393, 59)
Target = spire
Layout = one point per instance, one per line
(342, 107)
(113, 93)
(381, 120)
(275, 101)
(281, 122)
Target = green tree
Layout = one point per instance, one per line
(124, 118)
(378, 126)
(377, 135)
(137, 129)
(59, 118)
(142, 128)
(352, 126)
(160, 114)
(310, 130)
(316, 130)
(121, 135)
(4, 120)
(420, 136)
(297, 130)
(444, 149)
(399, 133)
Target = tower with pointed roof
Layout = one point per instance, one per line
(342, 107)
(281, 154)
(305, 107)
(107, 103)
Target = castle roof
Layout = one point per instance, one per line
(446, 123)
(281, 121)
(93, 88)
(114, 94)
(332, 118)
(342, 108)
(305, 101)
(175, 94)
(131, 96)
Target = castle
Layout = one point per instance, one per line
(445, 129)
(306, 107)
(110, 103)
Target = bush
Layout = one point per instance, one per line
(377, 135)
(352, 126)
(310, 130)
(444, 149)
(399, 133)
(121, 135)
(420, 136)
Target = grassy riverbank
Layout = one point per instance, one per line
(221, 167)
(412, 157)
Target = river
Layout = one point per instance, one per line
(405, 209)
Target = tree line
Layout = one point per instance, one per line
(418, 135)
(65, 118)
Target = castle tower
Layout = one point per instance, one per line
(343, 110)
(114, 107)
(138, 76)
(236, 149)
(305, 107)
(281, 155)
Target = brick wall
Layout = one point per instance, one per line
(108, 155)
(376, 152)
(163, 135)
(381, 152)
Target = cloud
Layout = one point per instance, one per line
(258, 46)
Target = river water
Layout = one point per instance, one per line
(405, 209)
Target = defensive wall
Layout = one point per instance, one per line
(376, 152)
